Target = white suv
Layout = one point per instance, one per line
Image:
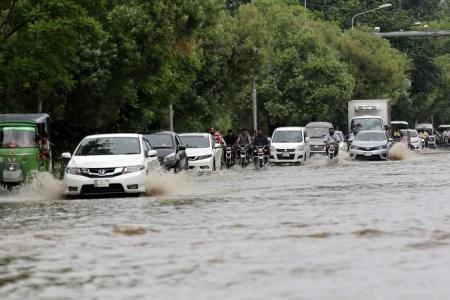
(289, 145)
(109, 164)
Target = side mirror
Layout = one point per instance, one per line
(38, 137)
(390, 140)
(386, 127)
(182, 147)
(307, 139)
(66, 155)
(270, 140)
(218, 146)
(152, 153)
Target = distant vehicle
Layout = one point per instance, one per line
(401, 125)
(202, 151)
(415, 142)
(441, 139)
(317, 131)
(171, 152)
(289, 145)
(374, 144)
(370, 114)
(25, 146)
(429, 128)
(109, 164)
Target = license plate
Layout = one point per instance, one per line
(367, 153)
(101, 183)
(285, 155)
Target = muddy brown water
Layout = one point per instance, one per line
(324, 230)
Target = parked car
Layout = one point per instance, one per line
(171, 152)
(289, 145)
(374, 144)
(202, 151)
(109, 164)
(415, 142)
(317, 131)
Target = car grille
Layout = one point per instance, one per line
(102, 172)
(285, 150)
(317, 147)
(368, 148)
(90, 189)
(281, 157)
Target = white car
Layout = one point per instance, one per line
(109, 164)
(415, 141)
(202, 151)
(289, 145)
(370, 144)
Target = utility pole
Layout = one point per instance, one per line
(255, 106)
(39, 106)
(171, 117)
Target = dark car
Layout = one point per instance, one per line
(171, 152)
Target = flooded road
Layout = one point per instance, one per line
(324, 230)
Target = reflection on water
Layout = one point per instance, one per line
(336, 229)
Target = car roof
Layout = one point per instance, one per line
(399, 122)
(195, 134)
(367, 117)
(29, 118)
(106, 135)
(444, 126)
(319, 124)
(160, 132)
(290, 128)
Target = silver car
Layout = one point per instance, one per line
(368, 144)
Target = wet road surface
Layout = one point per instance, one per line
(324, 230)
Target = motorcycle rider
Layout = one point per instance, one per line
(332, 137)
(260, 140)
(230, 138)
(244, 139)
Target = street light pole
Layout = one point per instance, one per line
(171, 117)
(255, 106)
(371, 10)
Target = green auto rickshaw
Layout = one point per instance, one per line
(25, 146)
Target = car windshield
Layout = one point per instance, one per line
(18, 137)
(371, 136)
(160, 141)
(287, 136)
(367, 124)
(195, 141)
(317, 132)
(109, 146)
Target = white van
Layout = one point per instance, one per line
(289, 145)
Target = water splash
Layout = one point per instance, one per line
(162, 183)
(41, 186)
(400, 151)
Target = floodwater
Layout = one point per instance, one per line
(324, 230)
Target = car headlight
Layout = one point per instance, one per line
(383, 147)
(300, 148)
(204, 157)
(73, 171)
(132, 169)
(354, 147)
(171, 156)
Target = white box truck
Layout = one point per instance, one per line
(370, 114)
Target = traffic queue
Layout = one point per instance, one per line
(119, 163)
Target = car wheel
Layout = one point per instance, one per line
(176, 168)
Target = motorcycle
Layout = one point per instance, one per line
(244, 159)
(229, 157)
(260, 156)
(332, 149)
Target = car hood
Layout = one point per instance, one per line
(198, 151)
(369, 144)
(286, 145)
(105, 161)
(317, 141)
(164, 152)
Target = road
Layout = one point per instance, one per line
(324, 230)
